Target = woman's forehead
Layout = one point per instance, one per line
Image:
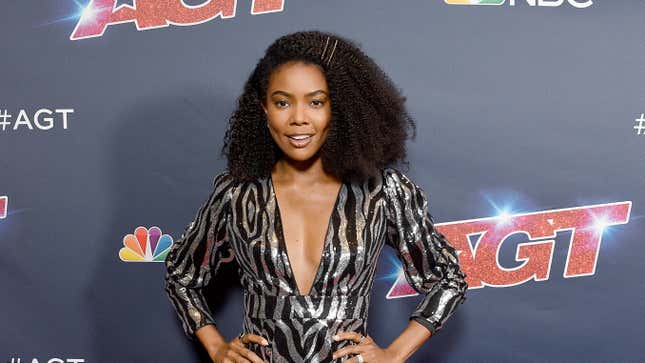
(297, 77)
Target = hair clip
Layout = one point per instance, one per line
(322, 56)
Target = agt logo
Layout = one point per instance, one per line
(42, 119)
(545, 3)
(145, 245)
(51, 360)
(153, 14)
(586, 225)
(4, 200)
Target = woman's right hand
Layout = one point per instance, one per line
(235, 351)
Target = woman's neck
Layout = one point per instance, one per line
(305, 172)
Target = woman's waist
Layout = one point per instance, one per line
(328, 307)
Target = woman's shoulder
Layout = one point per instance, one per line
(401, 187)
(393, 176)
(233, 185)
(223, 176)
(223, 182)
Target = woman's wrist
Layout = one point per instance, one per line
(398, 354)
(411, 339)
(210, 338)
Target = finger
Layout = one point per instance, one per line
(236, 357)
(350, 335)
(252, 357)
(249, 354)
(354, 359)
(350, 349)
(253, 338)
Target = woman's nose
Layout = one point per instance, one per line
(299, 114)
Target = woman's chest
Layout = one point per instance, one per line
(353, 238)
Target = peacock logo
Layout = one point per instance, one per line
(145, 245)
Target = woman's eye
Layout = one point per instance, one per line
(280, 103)
(319, 102)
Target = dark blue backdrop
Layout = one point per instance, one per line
(520, 109)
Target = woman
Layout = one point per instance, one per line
(314, 139)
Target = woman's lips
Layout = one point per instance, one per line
(301, 142)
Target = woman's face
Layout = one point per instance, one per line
(298, 109)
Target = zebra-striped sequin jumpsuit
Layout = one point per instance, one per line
(241, 221)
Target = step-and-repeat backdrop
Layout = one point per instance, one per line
(530, 145)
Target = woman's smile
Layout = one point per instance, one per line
(300, 140)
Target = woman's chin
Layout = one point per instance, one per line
(300, 154)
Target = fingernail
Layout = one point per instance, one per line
(265, 342)
(336, 337)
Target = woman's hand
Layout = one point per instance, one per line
(367, 348)
(235, 351)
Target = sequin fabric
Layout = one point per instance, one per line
(241, 221)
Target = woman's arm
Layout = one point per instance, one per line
(430, 262)
(411, 339)
(219, 350)
(194, 258)
(210, 338)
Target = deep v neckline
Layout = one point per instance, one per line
(282, 244)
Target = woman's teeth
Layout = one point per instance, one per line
(299, 141)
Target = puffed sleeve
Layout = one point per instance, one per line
(430, 262)
(197, 255)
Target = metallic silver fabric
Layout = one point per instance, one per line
(241, 221)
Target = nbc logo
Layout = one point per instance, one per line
(549, 3)
(475, 2)
(145, 245)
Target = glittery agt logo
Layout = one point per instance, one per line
(546, 3)
(3, 206)
(481, 264)
(50, 360)
(152, 14)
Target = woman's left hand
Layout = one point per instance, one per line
(367, 348)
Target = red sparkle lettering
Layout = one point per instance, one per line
(481, 264)
(152, 14)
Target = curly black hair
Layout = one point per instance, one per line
(369, 122)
